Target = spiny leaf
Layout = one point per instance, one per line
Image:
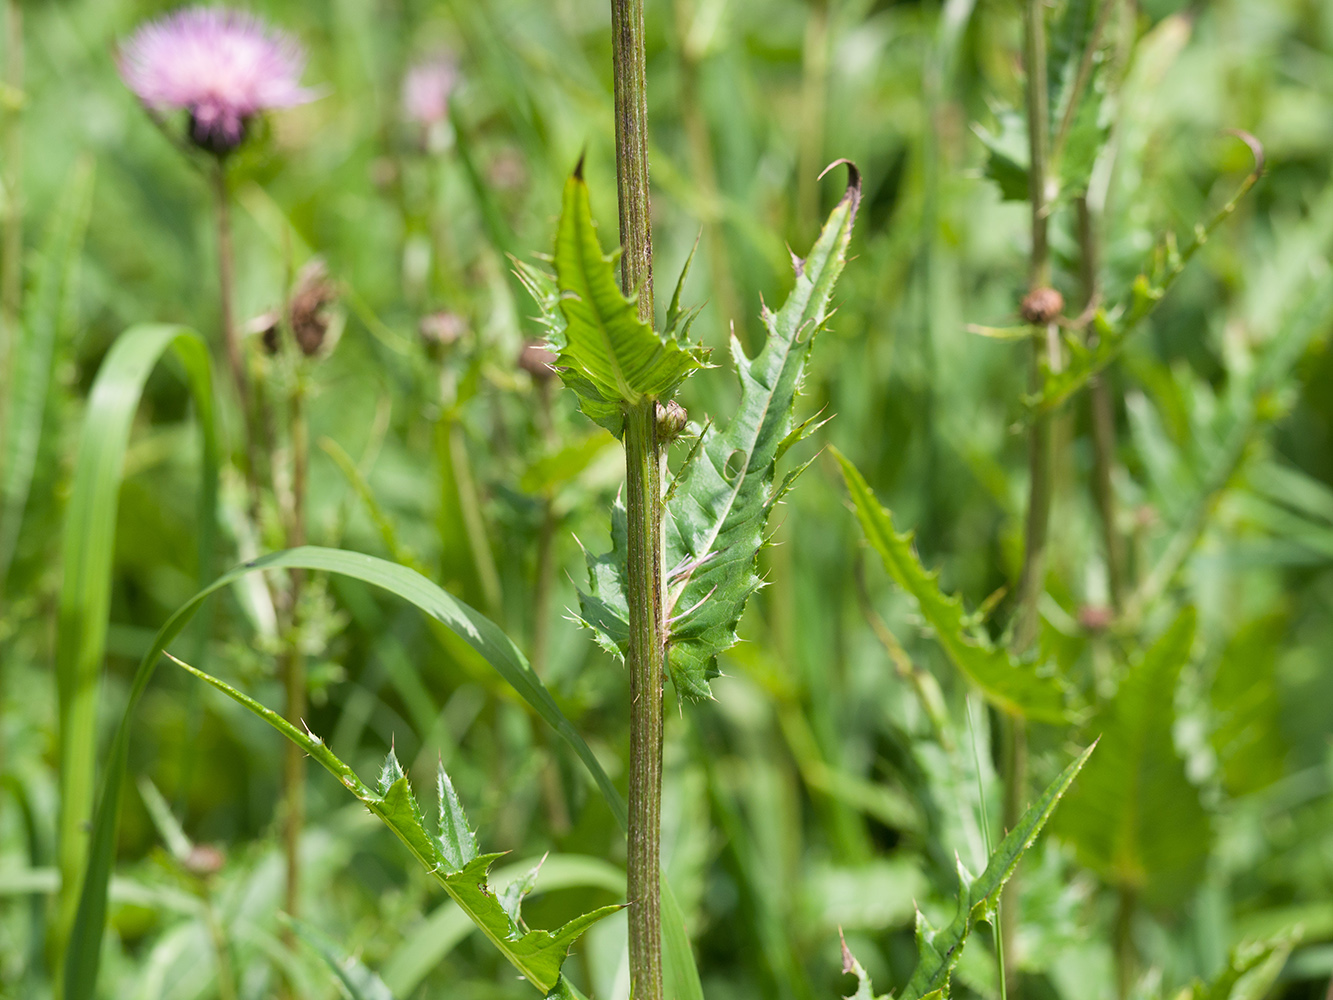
(1135, 818)
(479, 632)
(851, 967)
(1252, 968)
(1113, 327)
(608, 355)
(538, 955)
(1013, 687)
(721, 499)
(457, 842)
(939, 951)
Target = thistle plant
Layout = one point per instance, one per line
(224, 69)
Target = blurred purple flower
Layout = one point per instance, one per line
(426, 90)
(222, 66)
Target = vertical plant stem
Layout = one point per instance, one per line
(1102, 408)
(643, 494)
(631, 99)
(294, 667)
(703, 166)
(231, 343)
(647, 651)
(1027, 625)
(814, 98)
(1126, 958)
(11, 261)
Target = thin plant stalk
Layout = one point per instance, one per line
(703, 166)
(294, 666)
(1102, 412)
(644, 453)
(11, 261)
(1028, 621)
(1126, 957)
(231, 343)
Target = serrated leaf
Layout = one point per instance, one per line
(1251, 970)
(537, 955)
(721, 499)
(1114, 325)
(1134, 818)
(511, 897)
(939, 951)
(1013, 687)
(609, 356)
(851, 967)
(457, 842)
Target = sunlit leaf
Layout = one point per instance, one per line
(1015, 687)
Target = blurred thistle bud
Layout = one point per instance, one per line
(314, 294)
(671, 420)
(1095, 617)
(1041, 306)
(427, 87)
(441, 329)
(507, 171)
(536, 359)
(204, 860)
(222, 67)
(265, 327)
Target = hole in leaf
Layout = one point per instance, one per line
(735, 465)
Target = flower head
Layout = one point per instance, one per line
(426, 90)
(222, 66)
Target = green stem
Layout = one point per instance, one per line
(11, 261)
(1102, 412)
(1031, 583)
(644, 451)
(294, 666)
(1126, 955)
(646, 659)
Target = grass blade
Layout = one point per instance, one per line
(475, 629)
(89, 544)
(44, 323)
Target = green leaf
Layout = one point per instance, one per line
(1114, 326)
(457, 842)
(45, 320)
(439, 933)
(939, 950)
(1135, 818)
(537, 955)
(86, 561)
(1014, 687)
(611, 358)
(1248, 737)
(851, 967)
(483, 635)
(357, 981)
(1252, 968)
(720, 502)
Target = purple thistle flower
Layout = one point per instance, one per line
(222, 66)
(426, 89)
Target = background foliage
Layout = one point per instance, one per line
(825, 786)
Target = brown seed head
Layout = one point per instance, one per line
(315, 292)
(1041, 306)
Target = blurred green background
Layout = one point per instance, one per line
(813, 793)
